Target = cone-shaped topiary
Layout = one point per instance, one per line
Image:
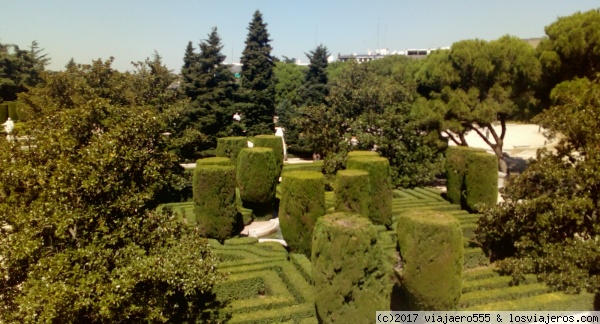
(351, 194)
(351, 283)
(456, 169)
(230, 147)
(213, 161)
(257, 175)
(214, 201)
(353, 154)
(302, 202)
(274, 142)
(431, 248)
(380, 206)
(481, 180)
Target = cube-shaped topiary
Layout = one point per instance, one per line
(257, 175)
(217, 160)
(230, 147)
(380, 183)
(456, 169)
(351, 194)
(351, 283)
(431, 248)
(302, 202)
(353, 154)
(481, 180)
(274, 142)
(214, 201)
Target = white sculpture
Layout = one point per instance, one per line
(237, 117)
(279, 132)
(9, 125)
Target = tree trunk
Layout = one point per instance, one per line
(502, 166)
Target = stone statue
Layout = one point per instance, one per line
(9, 125)
(279, 132)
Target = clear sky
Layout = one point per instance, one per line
(130, 30)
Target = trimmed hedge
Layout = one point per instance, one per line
(230, 147)
(257, 175)
(353, 154)
(274, 142)
(350, 192)
(302, 203)
(3, 112)
(456, 169)
(213, 161)
(12, 110)
(350, 281)
(380, 208)
(431, 248)
(214, 201)
(481, 180)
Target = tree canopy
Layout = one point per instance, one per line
(20, 69)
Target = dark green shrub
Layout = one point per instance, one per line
(380, 208)
(230, 147)
(214, 201)
(351, 283)
(431, 248)
(302, 202)
(213, 161)
(481, 180)
(456, 169)
(257, 175)
(353, 154)
(274, 142)
(350, 192)
(12, 110)
(22, 116)
(3, 112)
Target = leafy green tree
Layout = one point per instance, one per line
(315, 87)
(80, 238)
(377, 111)
(571, 49)
(20, 69)
(257, 79)
(476, 84)
(290, 78)
(549, 222)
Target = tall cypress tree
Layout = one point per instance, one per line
(315, 87)
(257, 79)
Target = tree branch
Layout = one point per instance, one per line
(484, 137)
(452, 138)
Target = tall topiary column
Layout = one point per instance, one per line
(230, 147)
(481, 180)
(351, 283)
(214, 201)
(274, 142)
(302, 202)
(257, 178)
(431, 248)
(456, 169)
(380, 208)
(3, 112)
(351, 194)
(213, 161)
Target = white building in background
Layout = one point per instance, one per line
(381, 53)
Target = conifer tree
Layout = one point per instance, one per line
(257, 79)
(315, 87)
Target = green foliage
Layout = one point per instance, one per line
(214, 201)
(350, 280)
(481, 180)
(230, 147)
(273, 142)
(380, 190)
(290, 78)
(257, 175)
(89, 246)
(213, 161)
(431, 248)
(456, 171)
(302, 203)
(350, 193)
(258, 79)
(12, 110)
(315, 88)
(352, 154)
(3, 112)
(20, 69)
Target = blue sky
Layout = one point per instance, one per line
(130, 30)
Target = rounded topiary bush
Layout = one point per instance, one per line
(230, 147)
(302, 202)
(351, 283)
(380, 205)
(257, 175)
(274, 142)
(481, 180)
(214, 201)
(213, 161)
(351, 194)
(353, 154)
(431, 248)
(456, 169)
